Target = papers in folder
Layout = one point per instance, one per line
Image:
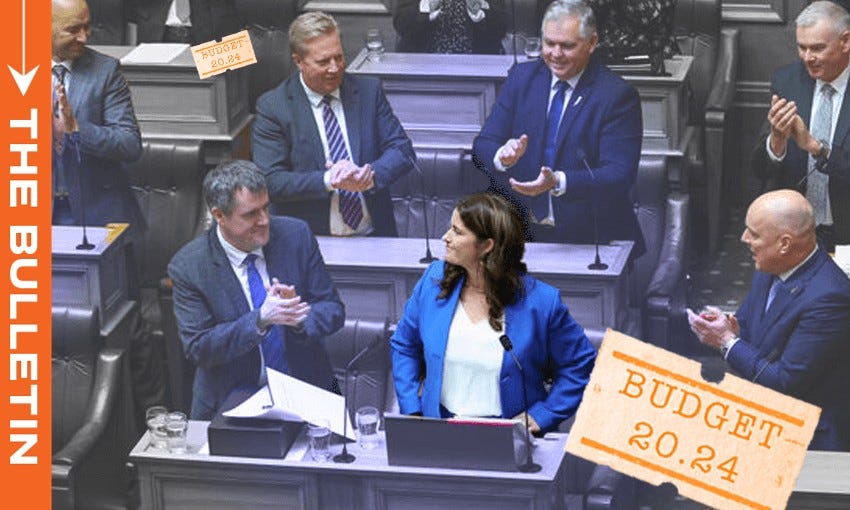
(295, 400)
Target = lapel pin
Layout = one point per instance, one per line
(578, 101)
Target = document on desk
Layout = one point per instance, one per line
(295, 400)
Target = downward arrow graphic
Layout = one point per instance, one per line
(23, 77)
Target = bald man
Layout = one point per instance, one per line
(792, 332)
(94, 127)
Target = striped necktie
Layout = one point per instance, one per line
(817, 187)
(349, 201)
(273, 344)
(59, 73)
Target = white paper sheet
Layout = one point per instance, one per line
(295, 400)
(842, 257)
(154, 53)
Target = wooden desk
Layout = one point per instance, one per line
(824, 482)
(198, 480)
(375, 276)
(443, 100)
(173, 103)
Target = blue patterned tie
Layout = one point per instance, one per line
(273, 344)
(553, 121)
(771, 293)
(349, 201)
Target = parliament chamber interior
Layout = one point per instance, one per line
(702, 70)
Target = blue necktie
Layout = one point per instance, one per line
(349, 201)
(771, 293)
(553, 121)
(273, 344)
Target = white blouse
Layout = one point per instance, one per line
(471, 367)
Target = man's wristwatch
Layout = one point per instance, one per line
(822, 155)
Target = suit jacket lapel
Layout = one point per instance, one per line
(804, 99)
(578, 99)
(228, 281)
(302, 113)
(79, 83)
(842, 128)
(536, 107)
(353, 108)
(789, 290)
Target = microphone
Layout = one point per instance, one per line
(344, 457)
(597, 264)
(428, 258)
(529, 466)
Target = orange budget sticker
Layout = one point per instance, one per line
(648, 413)
(233, 52)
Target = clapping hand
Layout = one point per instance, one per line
(545, 181)
(282, 306)
(345, 175)
(513, 149)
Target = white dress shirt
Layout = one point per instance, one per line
(471, 367)
(337, 226)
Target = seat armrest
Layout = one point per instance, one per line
(672, 260)
(104, 394)
(725, 73)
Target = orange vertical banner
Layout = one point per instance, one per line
(25, 203)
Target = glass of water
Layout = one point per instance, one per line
(176, 427)
(319, 435)
(375, 44)
(368, 423)
(532, 48)
(155, 417)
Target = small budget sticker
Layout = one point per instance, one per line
(234, 51)
(648, 413)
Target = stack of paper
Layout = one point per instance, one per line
(842, 258)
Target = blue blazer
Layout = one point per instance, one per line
(218, 328)
(546, 339)
(108, 138)
(794, 83)
(288, 149)
(603, 118)
(801, 346)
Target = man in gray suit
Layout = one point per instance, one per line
(94, 127)
(251, 292)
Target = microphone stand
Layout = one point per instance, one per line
(529, 466)
(344, 457)
(513, 29)
(428, 258)
(597, 264)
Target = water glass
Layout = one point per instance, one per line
(155, 418)
(320, 441)
(176, 426)
(368, 422)
(375, 44)
(532, 48)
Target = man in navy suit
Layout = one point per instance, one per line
(228, 332)
(94, 127)
(792, 332)
(806, 144)
(564, 137)
(328, 142)
(182, 21)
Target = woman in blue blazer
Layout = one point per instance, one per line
(446, 351)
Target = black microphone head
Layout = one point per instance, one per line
(506, 342)
(581, 154)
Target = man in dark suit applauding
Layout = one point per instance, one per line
(328, 142)
(792, 332)
(251, 292)
(94, 127)
(806, 141)
(564, 134)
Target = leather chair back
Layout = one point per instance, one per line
(76, 344)
(369, 380)
(697, 25)
(267, 22)
(445, 178)
(649, 196)
(166, 181)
